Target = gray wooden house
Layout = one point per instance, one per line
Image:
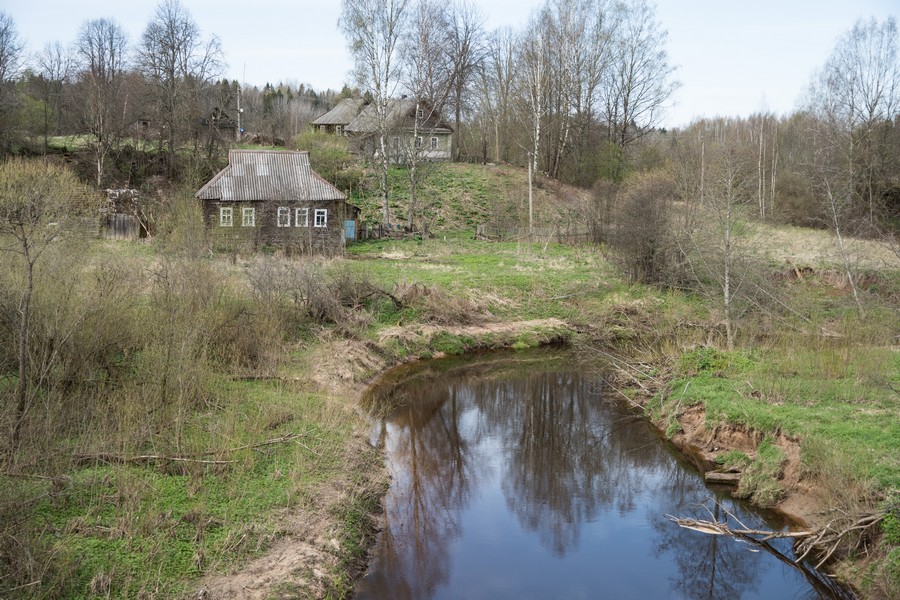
(273, 197)
(413, 127)
(336, 119)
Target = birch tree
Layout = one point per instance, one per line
(714, 248)
(373, 29)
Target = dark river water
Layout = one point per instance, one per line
(520, 476)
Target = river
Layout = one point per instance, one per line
(521, 476)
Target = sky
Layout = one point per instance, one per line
(732, 57)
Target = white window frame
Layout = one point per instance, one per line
(226, 216)
(301, 217)
(418, 142)
(283, 219)
(320, 219)
(339, 129)
(434, 143)
(420, 114)
(248, 217)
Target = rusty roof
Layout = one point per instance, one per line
(268, 175)
(345, 111)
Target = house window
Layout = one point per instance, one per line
(301, 217)
(248, 217)
(284, 216)
(338, 129)
(321, 218)
(420, 114)
(226, 216)
(418, 141)
(434, 143)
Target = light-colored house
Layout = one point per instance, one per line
(413, 126)
(274, 197)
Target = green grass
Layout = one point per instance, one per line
(512, 280)
(136, 528)
(845, 396)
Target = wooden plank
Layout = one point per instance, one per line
(725, 478)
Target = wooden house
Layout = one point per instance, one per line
(336, 119)
(413, 127)
(269, 197)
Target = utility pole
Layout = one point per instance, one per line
(240, 127)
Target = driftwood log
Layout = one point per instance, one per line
(196, 457)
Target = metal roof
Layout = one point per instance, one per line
(400, 114)
(268, 175)
(345, 111)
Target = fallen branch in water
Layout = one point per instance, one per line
(825, 541)
(719, 528)
(830, 538)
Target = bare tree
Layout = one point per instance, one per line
(180, 65)
(467, 49)
(640, 83)
(713, 246)
(101, 50)
(11, 47)
(55, 67)
(373, 29)
(498, 74)
(431, 77)
(37, 205)
(858, 94)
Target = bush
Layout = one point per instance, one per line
(641, 242)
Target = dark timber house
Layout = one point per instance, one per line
(268, 197)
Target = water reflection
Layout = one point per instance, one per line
(517, 478)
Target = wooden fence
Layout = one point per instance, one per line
(541, 235)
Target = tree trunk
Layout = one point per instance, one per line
(23, 351)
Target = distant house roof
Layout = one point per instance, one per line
(268, 175)
(399, 114)
(345, 111)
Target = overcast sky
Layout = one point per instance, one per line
(733, 57)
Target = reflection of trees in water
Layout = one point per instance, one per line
(569, 453)
(432, 467)
(714, 566)
(709, 566)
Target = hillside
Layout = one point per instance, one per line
(460, 196)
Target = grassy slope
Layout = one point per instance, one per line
(453, 196)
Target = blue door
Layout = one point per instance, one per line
(349, 229)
